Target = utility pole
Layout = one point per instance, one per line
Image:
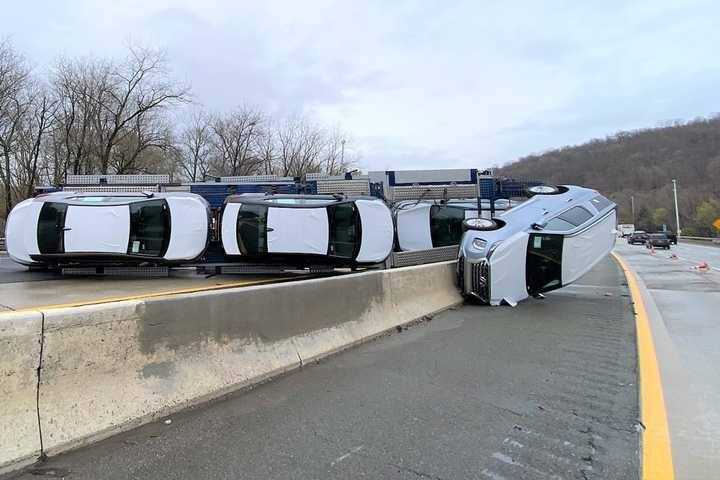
(677, 213)
(632, 206)
(342, 151)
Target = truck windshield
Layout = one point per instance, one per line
(149, 228)
(446, 225)
(252, 229)
(543, 268)
(344, 230)
(51, 222)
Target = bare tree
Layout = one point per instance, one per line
(138, 88)
(14, 74)
(194, 147)
(234, 136)
(35, 124)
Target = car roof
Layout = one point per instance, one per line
(294, 201)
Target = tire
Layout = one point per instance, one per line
(543, 190)
(480, 224)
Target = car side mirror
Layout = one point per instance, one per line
(538, 226)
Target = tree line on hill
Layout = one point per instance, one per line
(122, 116)
(638, 167)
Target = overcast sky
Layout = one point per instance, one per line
(418, 84)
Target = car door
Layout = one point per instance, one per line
(297, 230)
(97, 229)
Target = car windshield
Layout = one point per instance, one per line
(149, 228)
(344, 230)
(252, 229)
(446, 225)
(569, 219)
(51, 222)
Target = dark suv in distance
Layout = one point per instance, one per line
(658, 240)
(637, 238)
(671, 236)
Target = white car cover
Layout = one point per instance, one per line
(188, 228)
(583, 251)
(507, 270)
(97, 229)
(21, 231)
(298, 230)
(377, 231)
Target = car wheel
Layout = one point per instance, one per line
(481, 224)
(543, 190)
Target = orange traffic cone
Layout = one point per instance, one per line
(702, 267)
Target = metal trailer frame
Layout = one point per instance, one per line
(391, 186)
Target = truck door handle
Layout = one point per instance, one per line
(270, 229)
(67, 229)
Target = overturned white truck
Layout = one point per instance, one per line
(545, 243)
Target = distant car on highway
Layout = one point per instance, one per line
(306, 230)
(545, 243)
(65, 228)
(657, 240)
(637, 238)
(425, 224)
(671, 236)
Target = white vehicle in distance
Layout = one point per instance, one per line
(545, 243)
(307, 230)
(69, 228)
(425, 224)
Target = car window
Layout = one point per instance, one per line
(600, 202)
(446, 225)
(252, 229)
(543, 268)
(50, 234)
(344, 234)
(149, 228)
(569, 219)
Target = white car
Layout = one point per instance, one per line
(307, 229)
(65, 228)
(545, 243)
(426, 224)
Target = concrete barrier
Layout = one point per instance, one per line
(19, 358)
(111, 367)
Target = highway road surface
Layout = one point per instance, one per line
(683, 304)
(544, 390)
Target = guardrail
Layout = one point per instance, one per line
(2, 244)
(700, 239)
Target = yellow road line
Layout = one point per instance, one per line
(140, 296)
(656, 452)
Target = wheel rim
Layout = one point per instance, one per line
(479, 223)
(542, 189)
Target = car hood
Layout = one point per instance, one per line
(377, 231)
(188, 228)
(21, 231)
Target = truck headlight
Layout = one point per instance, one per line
(479, 244)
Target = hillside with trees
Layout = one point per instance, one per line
(642, 164)
(128, 115)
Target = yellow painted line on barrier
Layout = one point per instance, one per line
(656, 451)
(163, 293)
